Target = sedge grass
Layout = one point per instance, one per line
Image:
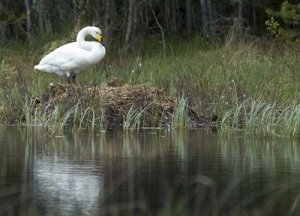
(261, 118)
(132, 120)
(75, 118)
(180, 115)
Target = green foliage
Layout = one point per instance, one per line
(273, 26)
(286, 25)
(290, 13)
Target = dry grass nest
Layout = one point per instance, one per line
(113, 102)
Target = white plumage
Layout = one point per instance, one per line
(71, 58)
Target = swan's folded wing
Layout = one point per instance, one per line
(65, 58)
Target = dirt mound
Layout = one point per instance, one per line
(115, 102)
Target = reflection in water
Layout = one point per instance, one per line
(189, 173)
(67, 184)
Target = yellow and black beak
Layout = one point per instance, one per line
(99, 37)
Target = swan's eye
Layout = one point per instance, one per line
(99, 37)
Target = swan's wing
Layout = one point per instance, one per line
(68, 57)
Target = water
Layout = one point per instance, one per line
(152, 173)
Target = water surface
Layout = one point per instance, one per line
(152, 173)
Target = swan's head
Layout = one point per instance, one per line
(95, 32)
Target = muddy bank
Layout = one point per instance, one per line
(114, 101)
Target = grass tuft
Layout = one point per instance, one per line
(261, 118)
(180, 115)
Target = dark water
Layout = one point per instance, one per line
(152, 173)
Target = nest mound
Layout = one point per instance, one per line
(114, 101)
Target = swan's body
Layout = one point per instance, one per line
(71, 58)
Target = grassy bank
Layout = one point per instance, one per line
(249, 86)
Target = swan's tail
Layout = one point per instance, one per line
(49, 69)
(40, 67)
(37, 67)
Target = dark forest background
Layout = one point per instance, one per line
(129, 21)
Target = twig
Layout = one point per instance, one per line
(160, 28)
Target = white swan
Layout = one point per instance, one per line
(71, 58)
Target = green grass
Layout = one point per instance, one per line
(132, 120)
(180, 115)
(248, 86)
(261, 118)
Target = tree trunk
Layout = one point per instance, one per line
(109, 20)
(163, 40)
(254, 17)
(75, 10)
(99, 8)
(206, 17)
(189, 17)
(130, 21)
(240, 17)
(174, 15)
(135, 18)
(210, 16)
(240, 9)
(28, 18)
(167, 14)
(41, 16)
(2, 25)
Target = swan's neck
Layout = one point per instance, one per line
(81, 42)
